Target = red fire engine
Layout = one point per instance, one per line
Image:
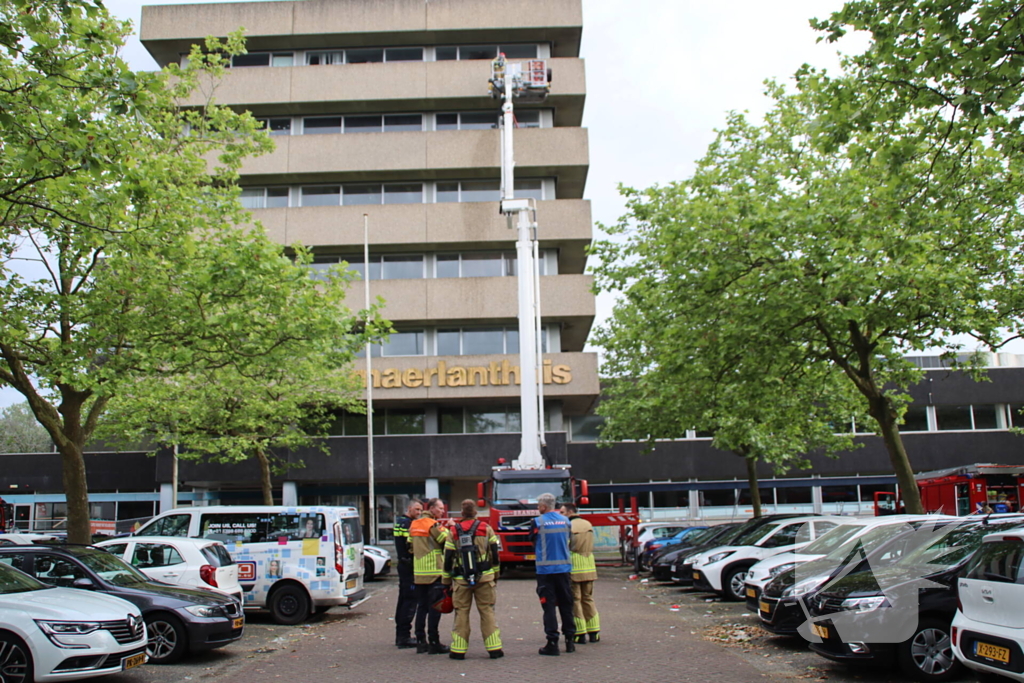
(511, 494)
(963, 490)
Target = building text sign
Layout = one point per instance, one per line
(443, 375)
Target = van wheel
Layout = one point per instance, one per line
(928, 655)
(15, 660)
(168, 641)
(289, 605)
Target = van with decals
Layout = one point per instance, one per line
(293, 561)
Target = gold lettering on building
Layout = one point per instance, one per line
(496, 374)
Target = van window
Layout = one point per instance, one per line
(353, 532)
(257, 527)
(998, 561)
(171, 525)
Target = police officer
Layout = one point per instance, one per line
(405, 610)
(474, 571)
(584, 574)
(550, 535)
(427, 536)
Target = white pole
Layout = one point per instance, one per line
(372, 501)
(174, 476)
(539, 368)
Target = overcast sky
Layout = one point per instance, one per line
(661, 74)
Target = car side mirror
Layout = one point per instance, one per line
(86, 584)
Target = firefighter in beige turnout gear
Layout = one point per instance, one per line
(477, 582)
(584, 574)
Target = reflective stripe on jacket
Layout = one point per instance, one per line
(486, 544)
(581, 547)
(427, 537)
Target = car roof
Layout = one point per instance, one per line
(169, 540)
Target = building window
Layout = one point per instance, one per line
(263, 59)
(487, 120)
(511, 52)
(482, 341)
(586, 428)
(915, 419)
(264, 197)
(403, 54)
(400, 123)
(409, 343)
(364, 56)
(481, 420)
(281, 126)
(321, 196)
(321, 125)
(321, 58)
(485, 191)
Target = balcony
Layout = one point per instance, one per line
(565, 224)
(561, 153)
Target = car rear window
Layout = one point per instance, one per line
(998, 561)
(217, 555)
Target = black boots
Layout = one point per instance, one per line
(405, 643)
(421, 647)
(434, 647)
(496, 654)
(456, 655)
(550, 649)
(595, 637)
(570, 645)
(581, 638)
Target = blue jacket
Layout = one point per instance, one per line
(550, 533)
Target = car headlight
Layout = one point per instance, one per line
(775, 571)
(205, 610)
(718, 557)
(805, 586)
(690, 560)
(56, 630)
(863, 604)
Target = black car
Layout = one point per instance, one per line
(661, 565)
(178, 620)
(910, 603)
(682, 572)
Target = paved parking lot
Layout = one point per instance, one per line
(651, 632)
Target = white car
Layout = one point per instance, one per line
(27, 539)
(64, 634)
(648, 531)
(724, 569)
(376, 562)
(766, 570)
(988, 629)
(192, 562)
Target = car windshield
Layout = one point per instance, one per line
(832, 539)
(111, 568)
(953, 543)
(757, 534)
(13, 581)
(701, 535)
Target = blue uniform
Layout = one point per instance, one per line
(550, 533)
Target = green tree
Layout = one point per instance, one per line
(846, 253)
(122, 256)
(20, 432)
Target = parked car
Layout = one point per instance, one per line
(682, 571)
(661, 564)
(376, 562)
(781, 604)
(988, 628)
(192, 562)
(178, 620)
(26, 538)
(647, 531)
(910, 604)
(724, 569)
(654, 546)
(64, 634)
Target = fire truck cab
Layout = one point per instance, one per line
(971, 489)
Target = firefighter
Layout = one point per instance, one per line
(550, 535)
(471, 563)
(427, 535)
(405, 610)
(584, 574)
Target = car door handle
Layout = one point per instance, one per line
(170, 576)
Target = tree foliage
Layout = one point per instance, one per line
(20, 432)
(124, 254)
(799, 245)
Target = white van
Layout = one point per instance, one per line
(291, 560)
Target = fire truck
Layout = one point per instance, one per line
(511, 491)
(965, 490)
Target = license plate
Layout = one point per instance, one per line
(133, 661)
(696, 576)
(764, 607)
(351, 583)
(988, 651)
(751, 593)
(531, 557)
(819, 630)
(238, 623)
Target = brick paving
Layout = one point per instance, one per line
(640, 641)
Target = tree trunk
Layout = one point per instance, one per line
(755, 492)
(268, 489)
(909, 492)
(76, 492)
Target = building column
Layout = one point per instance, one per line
(431, 489)
(694, 503)
(289, 494)
(816, 498)
(166, 497)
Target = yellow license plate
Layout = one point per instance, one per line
(696, 576)
(1000, 654)
(133, 661)
(764, 607)
(238, 623)
(819, 630)
(351, 583)
(531, 557)
(751, 593)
